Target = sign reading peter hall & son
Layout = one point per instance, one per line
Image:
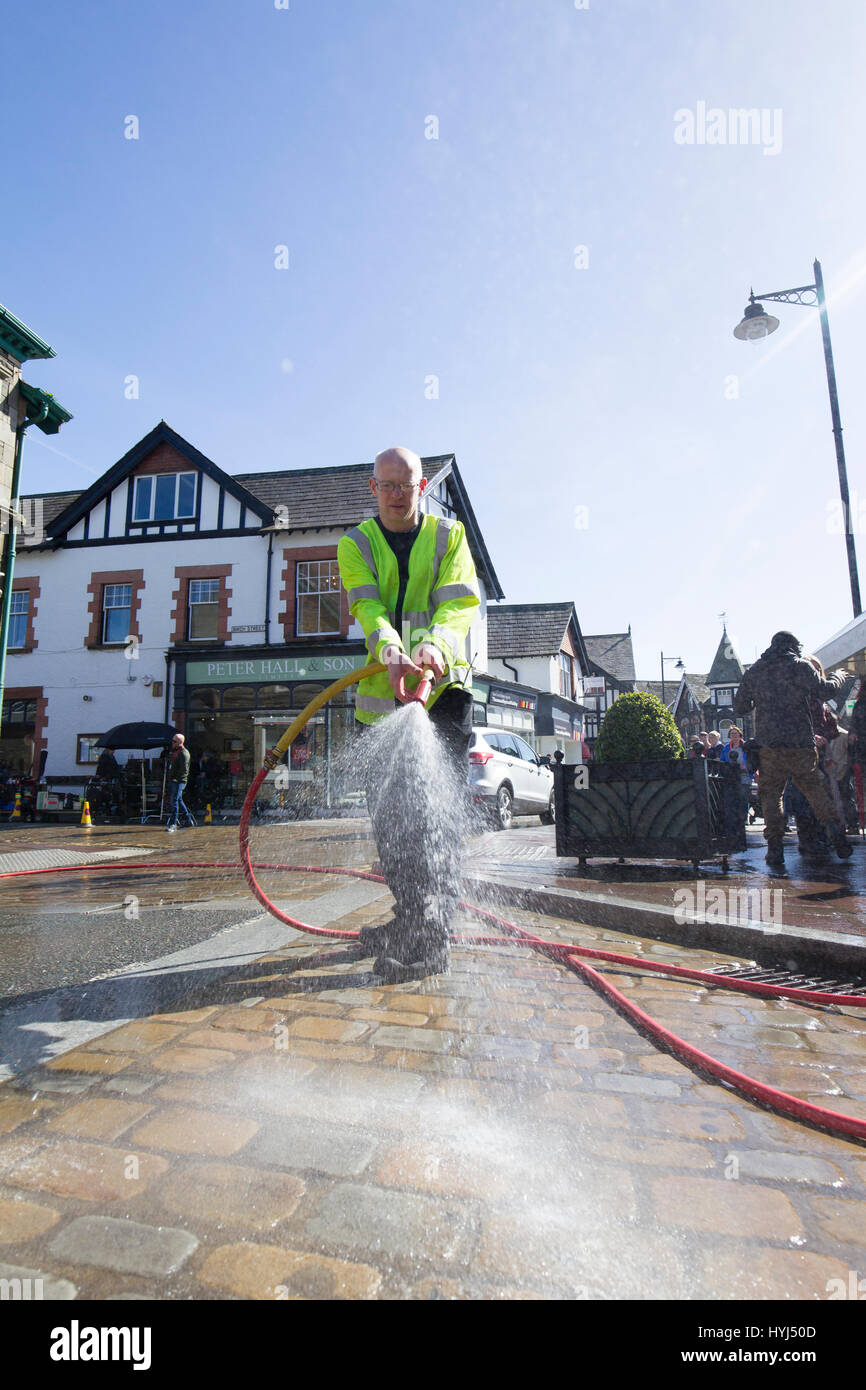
(273, 669)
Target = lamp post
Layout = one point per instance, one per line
(680, 667)
(755, 324)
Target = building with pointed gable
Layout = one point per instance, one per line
(173, 591)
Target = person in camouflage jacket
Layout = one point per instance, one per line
(780, 687)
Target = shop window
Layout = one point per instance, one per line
(206, 698)
(304, 694)
(164, 497)
(239, 697)
(204, 595)
(318, 598)
(116, 612)
(275, 697)
(18, 618)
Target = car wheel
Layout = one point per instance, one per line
(504, 812)
(548, 817)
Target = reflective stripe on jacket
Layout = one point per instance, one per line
(439, 605)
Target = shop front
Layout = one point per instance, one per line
(232, 711)
(505, 707)
(559, 727)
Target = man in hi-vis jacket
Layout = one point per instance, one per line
(411, 584)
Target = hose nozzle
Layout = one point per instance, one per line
(421, 693)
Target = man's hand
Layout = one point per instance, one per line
(430, 655)
(399, 666)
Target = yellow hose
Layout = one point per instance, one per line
(273, 755)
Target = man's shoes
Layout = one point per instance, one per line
(171, 829)
(841, 846)
(775, 854)
(376, 940)
(391, 971)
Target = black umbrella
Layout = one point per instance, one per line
(140, 735)
(143, 735)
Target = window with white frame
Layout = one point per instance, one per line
(204, 595)
(164, 497)
(318, 598)
(566, 676)
(116, 612)
(18, 618)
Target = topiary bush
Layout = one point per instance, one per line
(638, 728)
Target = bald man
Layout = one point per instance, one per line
(412, 586)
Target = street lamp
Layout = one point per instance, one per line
(756, 324)
(679, 667)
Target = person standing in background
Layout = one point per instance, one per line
(179, 776)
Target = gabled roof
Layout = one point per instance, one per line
(339, 495)
(671, 689)
(52, 504)
(162, 434)
(727, 669)
(332, 497)
(613, 653)
(529, 629)
(698, 687)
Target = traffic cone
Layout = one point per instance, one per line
(208, 818)
(85, 814)
(16, 813)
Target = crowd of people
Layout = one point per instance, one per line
(803, 763)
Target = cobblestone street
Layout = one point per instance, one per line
(290, 1130)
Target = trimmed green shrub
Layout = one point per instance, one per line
(638, 728)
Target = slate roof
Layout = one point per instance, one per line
(613, 653)
(526, 629)
(698, 686)
(331, 497)
(725, 670)
(655, 688)
(53, 503)
(315, 497)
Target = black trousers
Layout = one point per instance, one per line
(419, 817)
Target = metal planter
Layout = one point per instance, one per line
(661, 810)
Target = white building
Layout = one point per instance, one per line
(174, 592)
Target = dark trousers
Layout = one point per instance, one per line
(419, 818)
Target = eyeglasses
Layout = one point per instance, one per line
(395, 487)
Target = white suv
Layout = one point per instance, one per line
(508, 778)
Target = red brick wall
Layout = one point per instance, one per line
(164, 459)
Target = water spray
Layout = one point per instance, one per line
(570, 956)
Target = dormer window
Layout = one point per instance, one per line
(164, 497)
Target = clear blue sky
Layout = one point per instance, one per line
(605, 387)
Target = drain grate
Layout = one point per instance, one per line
(790, 979)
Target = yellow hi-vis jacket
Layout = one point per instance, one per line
(439, 605)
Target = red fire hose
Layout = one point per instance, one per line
(572, 957)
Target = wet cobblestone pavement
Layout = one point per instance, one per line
(295, 1130)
